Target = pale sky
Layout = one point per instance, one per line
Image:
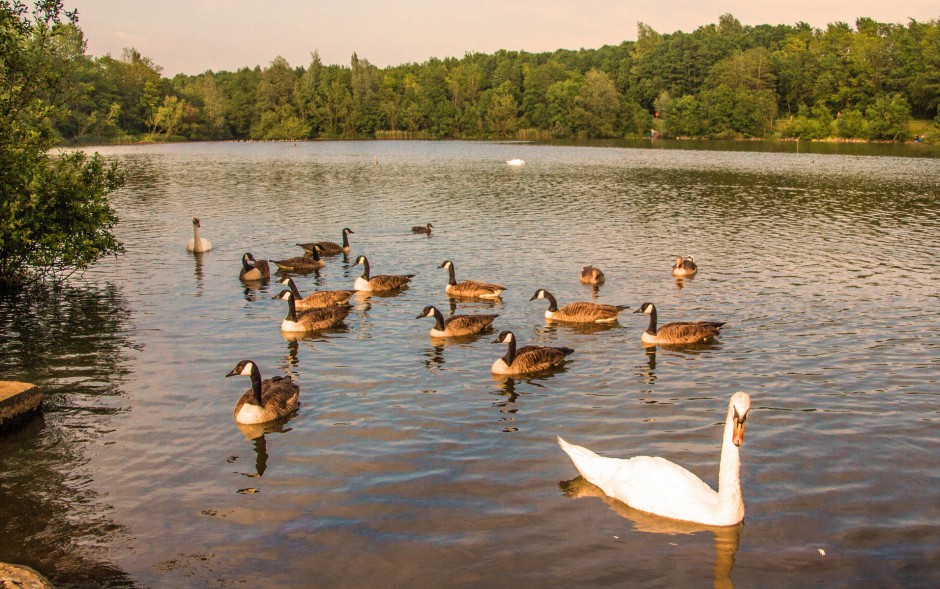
(192, 36)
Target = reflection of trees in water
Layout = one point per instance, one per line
(72, 342)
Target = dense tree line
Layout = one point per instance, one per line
(722, 80)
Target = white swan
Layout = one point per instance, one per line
(515, 162)
(197, 244)
(657, 486)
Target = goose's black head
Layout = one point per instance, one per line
(243, 368)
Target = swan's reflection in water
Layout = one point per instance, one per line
(197, 272)
(727, 538)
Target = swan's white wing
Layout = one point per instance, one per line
(650, 484)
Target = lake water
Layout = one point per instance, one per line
(408, 465)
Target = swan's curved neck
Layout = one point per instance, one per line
(196, 235)
(453, 276)
(510, 353)
(651, 328)
(729, 470)
(255, 398)
(438, 320)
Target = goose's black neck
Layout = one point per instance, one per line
(255, 398)
(293, 288)
(510, 353)
(552, 303)
(453, 275)
(365, 268)
(438, 320)
(291, 310)
(245, 263)
(651, 328)
(345, 238)
(315, 254)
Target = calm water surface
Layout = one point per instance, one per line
(408, 465)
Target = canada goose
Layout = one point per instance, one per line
(265, 400)
(302, 263)
(329, 248)
(472, 289)
(456, 325)
(253, 269)
(420, 229)
(580, 312)
(317, 300)
(380, 283)
(198, 244)
(592, 275)
(684, 267)
(680, 332)
(527, 359)
(311, 319)
(661, 487)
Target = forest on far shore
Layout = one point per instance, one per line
(873, 81)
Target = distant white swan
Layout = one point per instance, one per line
(657, 486)
(516, 162)
(197, 244)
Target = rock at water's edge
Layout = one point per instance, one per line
(17, 399)
(13, 575)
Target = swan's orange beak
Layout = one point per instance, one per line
(737, 435)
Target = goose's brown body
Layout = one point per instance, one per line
(253, 269)
(677, 333)
(527, 359)
(592, 275)
(684, 266)
(329, 248)
(456, 325)
(311, 319)
(578, 312)
(319, 299)
(469, 289)
(266, 400)
(380, 283)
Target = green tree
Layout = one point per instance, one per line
(502, 112)
(888, 118)
(599, 105)
(54, 215)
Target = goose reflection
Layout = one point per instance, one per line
(482, 304)
(686, 349)
(256, 434)
(727, 538)
(321, 335)
(647, 372)
(507, 405)
(291, 361)
(434, 355)
(254, 291)
(681, 281)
